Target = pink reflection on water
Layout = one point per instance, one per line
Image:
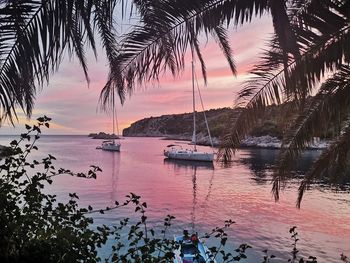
(202, 196)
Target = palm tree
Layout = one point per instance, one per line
(159, 42)
(34, 36)
(322, 69)
(310, 42)
(167, 29)
(308, 55)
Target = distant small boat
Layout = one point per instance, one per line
(191, 250)
(111, 145)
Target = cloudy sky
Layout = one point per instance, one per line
(73, 106)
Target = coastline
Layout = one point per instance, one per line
(261, 142)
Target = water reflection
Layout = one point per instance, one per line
(205, 195)
(262, 161)
(115, 166)
(194, 183)
(193, 166)
(178, 164)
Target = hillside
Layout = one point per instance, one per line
(179, 126)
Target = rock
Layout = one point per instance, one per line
(271, 142)
(180, 125)
(266, 141)
(102, 135)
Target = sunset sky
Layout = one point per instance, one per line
(73, 106)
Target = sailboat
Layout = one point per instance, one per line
(177, 152)
(112, 145)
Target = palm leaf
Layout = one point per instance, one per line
(302, 75)
(332, 164)
(324, 111)
(167, 28)
(33, 38)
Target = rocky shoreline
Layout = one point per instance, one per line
(271, 142)
(102, 135)
(179, 127)
(266, 142)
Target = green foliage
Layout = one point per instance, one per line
(34, 226)
(295, 251)
(218, 120)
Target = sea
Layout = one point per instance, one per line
(201, 196)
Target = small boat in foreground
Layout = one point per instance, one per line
(191, 250)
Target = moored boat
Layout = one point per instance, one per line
(191, 250)
(176, 152)
(110, 146)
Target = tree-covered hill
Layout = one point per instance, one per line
(181, 125)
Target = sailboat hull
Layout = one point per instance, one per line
(112, 147)
(189, 155)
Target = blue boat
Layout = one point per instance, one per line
(191, 249)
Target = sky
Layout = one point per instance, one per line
(73, 104)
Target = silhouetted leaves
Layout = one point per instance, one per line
(314, 60)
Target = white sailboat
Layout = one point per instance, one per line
(112, 145)
(177, 152)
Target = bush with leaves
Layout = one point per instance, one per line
(34, 226)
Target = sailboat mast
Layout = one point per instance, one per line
(113, 116)
(194, 110)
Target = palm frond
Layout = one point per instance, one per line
(232, 140)
(103, 20)
(33, 38)
(167, 28)
(221, 35)
(332, 164)
(79, 47)
(323, 111)
(326, 53)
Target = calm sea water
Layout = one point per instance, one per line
(202, 197)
